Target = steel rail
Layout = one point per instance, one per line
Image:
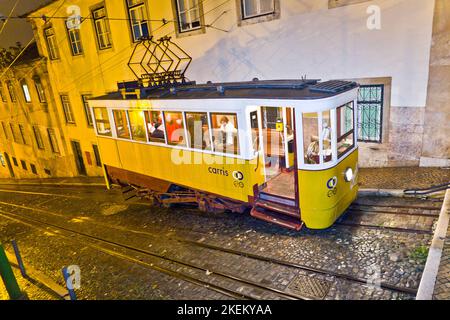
(164, 270)
(383, 285)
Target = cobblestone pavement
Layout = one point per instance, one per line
(394, 258)
(402, 178)
(442, 286)
(31, 289)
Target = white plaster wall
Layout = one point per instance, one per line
(310, 39)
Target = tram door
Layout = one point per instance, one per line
(278, 140)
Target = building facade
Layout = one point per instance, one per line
(31, 134)
(396, 50)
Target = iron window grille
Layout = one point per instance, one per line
(52, 46)
(102, 29)
(370, 113)
(137, 14)
(256, 8)
(188, 12)
(67, 108)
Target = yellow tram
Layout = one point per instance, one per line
(284, 150)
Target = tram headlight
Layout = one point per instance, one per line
(348, 174)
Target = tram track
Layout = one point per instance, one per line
(257, 257)
(179, 275)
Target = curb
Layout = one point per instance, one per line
(381, 193)
(428, 281)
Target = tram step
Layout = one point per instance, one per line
(278, 208)
(277, 199)
(273, 217)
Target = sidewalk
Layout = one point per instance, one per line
(402, 178)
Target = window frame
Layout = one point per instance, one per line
(141, 5)
(108, 121)
(145, 139)
(348, 133)
(106, 25)
(13, 132)
(22, 133)
(38, 138)
(5, 131)
(238, 142)
(178, 13)
(27, 92)
(126, 123)
(87, 111)
(259, 14)
(78, 44)
(53, 140)
(190, 144)
(52, 46)
(163, 123)
(96, 151)
(11, 91)
(371, 102)
(2, 93)
(67, 109)
(40, 90)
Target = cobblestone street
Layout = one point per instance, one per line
(130, 250)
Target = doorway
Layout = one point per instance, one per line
(278, 139)
(78, 154)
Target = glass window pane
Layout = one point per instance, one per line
(155, 127)
(26, 93)
(120, 119)
(326, 137)
(102, 122)
(137, 120)
(311, 138)
(175, 128)
(225, 132)
(198, 130)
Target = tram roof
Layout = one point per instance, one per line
(257, 89)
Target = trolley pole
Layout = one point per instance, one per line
(9, 279)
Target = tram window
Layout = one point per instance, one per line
(155, 127)
(198, 130)
(311, 138)
(137, 125)
(225, 132)
(327, 154)
(120, 119)
(345, 128)
(102, 122)
(175, 128)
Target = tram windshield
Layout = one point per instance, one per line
(318, 134)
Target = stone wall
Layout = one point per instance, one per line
(436, 141)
